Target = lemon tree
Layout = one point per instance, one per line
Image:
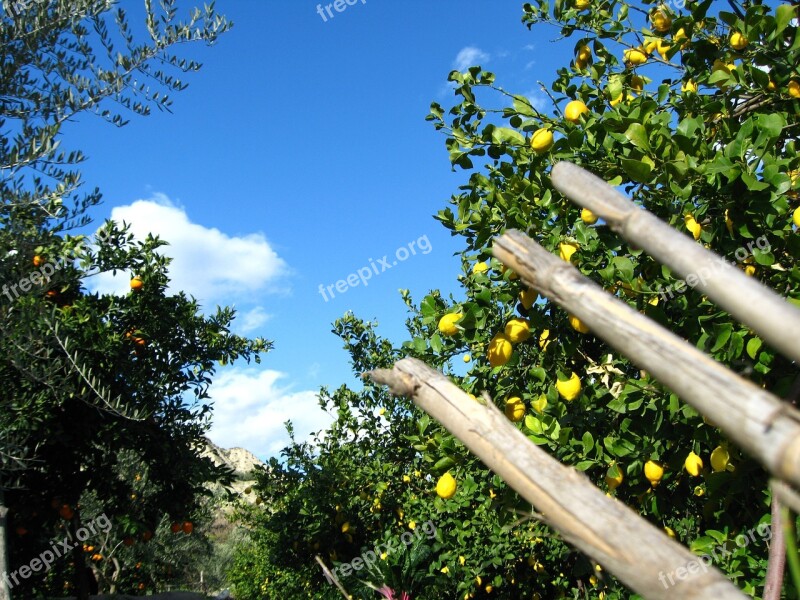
(694, 112)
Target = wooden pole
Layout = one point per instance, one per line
(769, 315)
(640, 554)
(757, 421)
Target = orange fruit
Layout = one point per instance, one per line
(38, 261)
(136, 284)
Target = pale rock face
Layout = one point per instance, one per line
(242, 462)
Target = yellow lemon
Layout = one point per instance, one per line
(738, 41)
(699, 491)
(637, 83)
(663, 48)
(635, 56)
(500, 350)
(614, 482)
(539, 404)
(574, 110)
(653, 472)
(446, 486)
(542, 140)
(518, 330)
(515, 409)
(444, 570)
(588, 216)
(771, 86)
(346, 527)
(689, 86)
(693, 464)
(749, 270)
(582, 4)
(480, 267)
(796, 216)
(728, 222)
(578, 325)
(569, 389)
(527, 298)
(661, 21)
(566, 250)
(461, 560)
(719, 459)
(447, 324)
(693, 226)
(670, 532)
(467, 358)
(584, 53)
(793, 88)
(543, 341)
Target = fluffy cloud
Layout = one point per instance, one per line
(469, 57)
(250, 409)
(207, 263)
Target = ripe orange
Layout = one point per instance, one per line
(38, 261)
(136, 284)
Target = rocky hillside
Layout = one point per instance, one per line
(240, 460)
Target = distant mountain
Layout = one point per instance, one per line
(240, 460)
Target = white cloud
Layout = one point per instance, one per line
(470, 57)
(250, 409)
(251, 320)
(539, 100)
(207, 263)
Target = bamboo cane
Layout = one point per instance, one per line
(757, 421)
(770, 316)
(641, 555)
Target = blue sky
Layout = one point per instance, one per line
(298, 154)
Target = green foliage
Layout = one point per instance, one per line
(105, 398)
(709, 149)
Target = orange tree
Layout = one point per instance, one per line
(104, 401)
(691, 109)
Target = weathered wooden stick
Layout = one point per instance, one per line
(754, 419)
(641, 555)
(770, 316)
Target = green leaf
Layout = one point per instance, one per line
(637, 135)
(722, 334)
(753, 346)
(588, 442)
(783, 16)
(443, 464)
(502, 135)
(523, 106)
(539, 373)
(637, 170)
